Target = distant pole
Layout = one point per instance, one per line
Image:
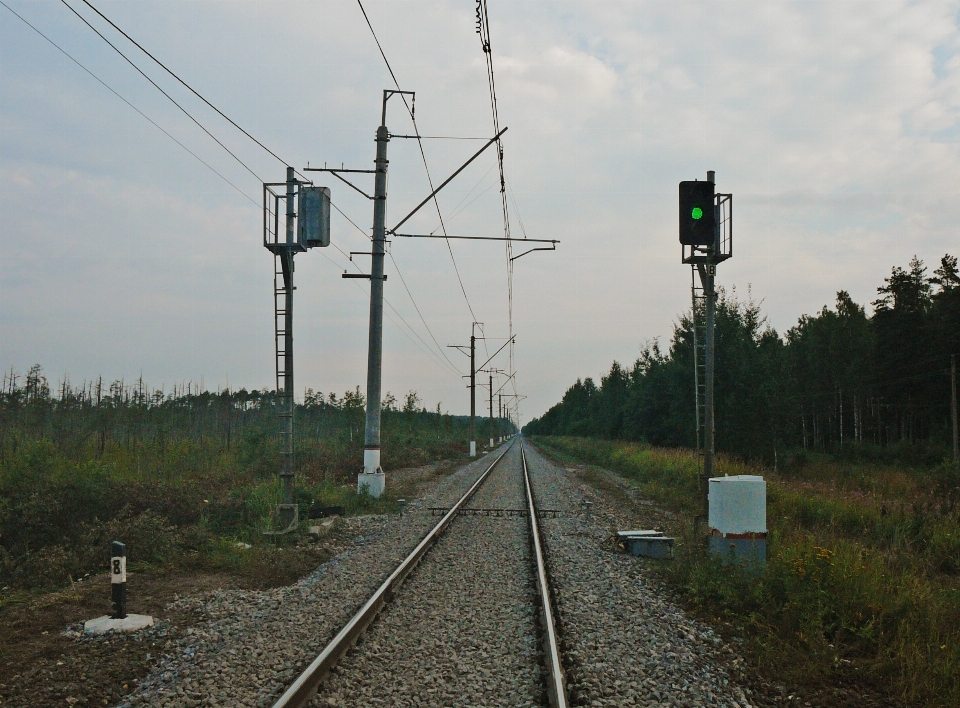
(287, 467)
(118, 579)
(372, 475)
(491, 411)
(500, 414)
(953, 406)
(473, 394)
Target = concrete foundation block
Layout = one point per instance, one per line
(375, 483)
(130, 623)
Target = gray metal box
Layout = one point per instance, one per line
(746, 552)
(313, 216)
(648, 542)
(651, 546)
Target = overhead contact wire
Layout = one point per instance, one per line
(483, 29)
(422, 155)
(409, 294)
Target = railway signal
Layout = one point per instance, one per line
(697, 222)
(706, 239)
(305, 225)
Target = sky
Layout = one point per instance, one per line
(835, 125)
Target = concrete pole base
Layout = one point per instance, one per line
(473, 448)
(130, 623)
(374, 482)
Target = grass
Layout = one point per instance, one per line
(176, 484)
(861, 583)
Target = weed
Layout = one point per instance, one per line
(861, 577)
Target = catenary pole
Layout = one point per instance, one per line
(491, 411)
(473, 393)
(372, 476)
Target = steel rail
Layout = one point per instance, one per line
(306, 684)
(556, 681)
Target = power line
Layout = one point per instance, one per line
(445, 361)
(422, 155)
(186, 85)
(457, 209)
(409, 294)
(169, 97)
(483, 29)
(426, 351)
(144, 115)
(152, 122)
(350, 220)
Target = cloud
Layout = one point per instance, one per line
(835, 125)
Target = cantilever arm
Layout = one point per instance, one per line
(496, 352)
(492, 140)
(349, 184)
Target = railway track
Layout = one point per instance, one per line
(473, 608)
(460, 620)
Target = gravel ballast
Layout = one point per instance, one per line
(625, 643)
(250, 645)
(462, 630)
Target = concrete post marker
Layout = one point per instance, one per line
(118, 579)
(119, 621)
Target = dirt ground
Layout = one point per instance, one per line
(42, 663)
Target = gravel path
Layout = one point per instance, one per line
(626, 644)
(251, 644)
(462, 630)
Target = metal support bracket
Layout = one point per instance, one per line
(553, 247)
(360, 275)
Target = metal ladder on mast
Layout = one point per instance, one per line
(285, 419)
(698, 316)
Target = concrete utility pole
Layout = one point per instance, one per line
(372, 476)
(491, 411)
(473, 382)
(500, 414)
(473, 393)
(953, 408)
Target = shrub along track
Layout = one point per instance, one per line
(42, 665)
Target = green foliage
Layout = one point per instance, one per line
(173, 475)
(839, 381)
(861, 572)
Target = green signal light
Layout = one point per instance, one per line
(697, 213)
